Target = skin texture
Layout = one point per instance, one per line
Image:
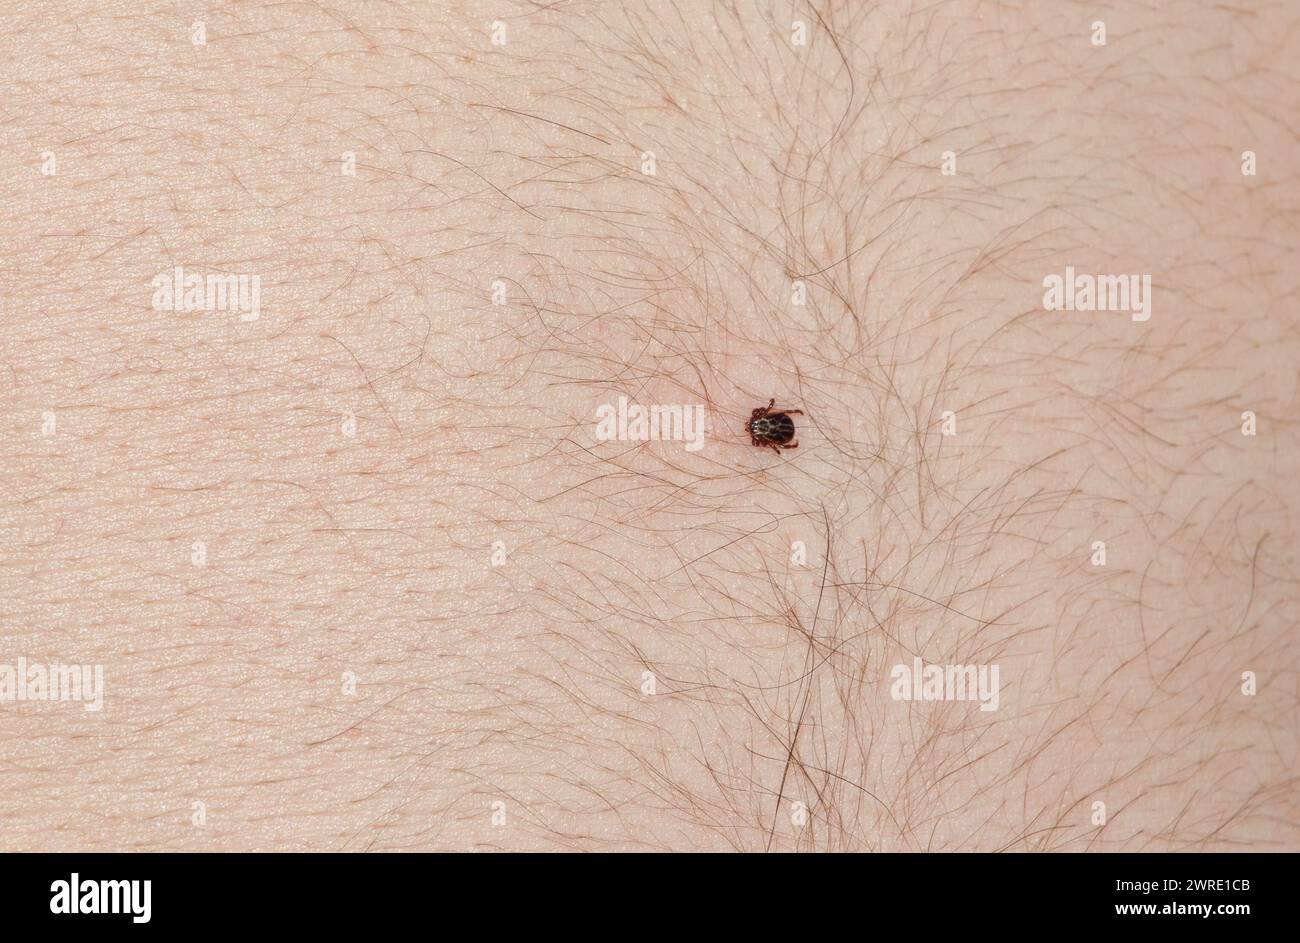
(676, 650)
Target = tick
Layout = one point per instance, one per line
(772, 427)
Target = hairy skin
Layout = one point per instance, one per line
(506, 707)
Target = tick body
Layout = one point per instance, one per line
(772, 428)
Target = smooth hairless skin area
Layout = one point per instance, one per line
(362, 570)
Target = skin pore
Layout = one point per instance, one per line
(360, 573)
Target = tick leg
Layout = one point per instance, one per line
(793, 412)
(792, 445)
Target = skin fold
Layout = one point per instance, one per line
(362, 575)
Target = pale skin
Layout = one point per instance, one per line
(361, 577)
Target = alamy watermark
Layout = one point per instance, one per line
(630, 422)
(34, 681)
(80, 896)
(178, 291)
(922, 682)
(1084, 292)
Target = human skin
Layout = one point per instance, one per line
(362, 577)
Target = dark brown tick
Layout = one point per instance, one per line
(772, 427)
